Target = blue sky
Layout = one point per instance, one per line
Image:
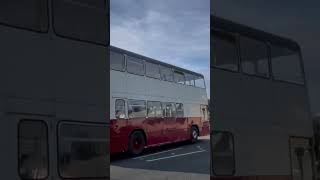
(172, 31)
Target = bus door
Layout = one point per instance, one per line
(155, 122)
(170, 127)
(301, 158)
(181, 122)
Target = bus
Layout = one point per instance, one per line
(262, 124)
(53, 100)
(153, 103)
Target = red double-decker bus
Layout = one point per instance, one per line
(154, 103)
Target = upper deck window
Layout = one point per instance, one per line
(117, 61)
(189, 79)
(153, 70)
(224, 48)
(84, 20)
(199, 82)
(286, 64)
(254, 57)
(179, 77)
(135, 66)
(166, 74)
(28, 14)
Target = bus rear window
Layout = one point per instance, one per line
(286, 65)
(224, 50)
(28, 14)
(84, 20)
(83, 150)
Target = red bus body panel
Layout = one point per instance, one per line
(158, 131)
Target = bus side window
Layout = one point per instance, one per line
(222, 149)
(179, 77)
(84, 20)
(117, 61)
(166, 74)
(189, 79)
(120, 110)
(33, 149)
(153, 70)
(170, 109)
(179, 110)
(154, 109)
(136, 108)
(135, 66)
(28, 14)
(224, 50)
(254, 57)
(286, 64)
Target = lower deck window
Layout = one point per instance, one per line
(33, 149)
(136, 108)
(83, 150)
(222, 149)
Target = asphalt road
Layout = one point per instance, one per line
(181, 161)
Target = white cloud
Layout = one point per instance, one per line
(175, 31)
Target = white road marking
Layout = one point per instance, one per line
(178, 155)
(200, 148)
(141, 157)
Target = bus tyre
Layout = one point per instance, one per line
(194, 134)
(136, 143)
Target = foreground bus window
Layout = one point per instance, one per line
(301, 158)
(254, 57)
(225, 51)
(28, 14)
(33, 150)
(223, 162)
(82, 150)
(84, 20)
(286, 65)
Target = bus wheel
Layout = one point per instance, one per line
(194, 134)
(136, 143)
